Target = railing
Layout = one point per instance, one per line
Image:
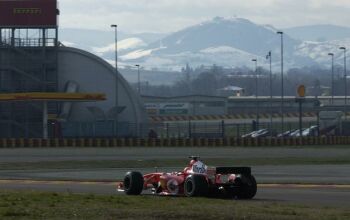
(174, 142)
(28, 42)
(190, 129)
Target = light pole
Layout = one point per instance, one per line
(116, 78)
(138, 79)
(139, 91)
(332, 55)
(345, 81)
(282, 83)
(256, 93)
(269, 57)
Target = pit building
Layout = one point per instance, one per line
(35, 69)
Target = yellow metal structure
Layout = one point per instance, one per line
(46, 97)
(53, 96)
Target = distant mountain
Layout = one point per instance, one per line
(89, 39)
(237, 33)
(227, 42)
(85, 38)
(221, 41)
(318, 51)
(319, 33)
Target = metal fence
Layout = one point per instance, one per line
(217, 129)
(108, 129)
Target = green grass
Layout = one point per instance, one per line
(171, 163)
(35, 205)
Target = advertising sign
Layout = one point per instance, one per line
(301, 91)
(151, 109)
(28, 13)
(174, 109)
(167, 108)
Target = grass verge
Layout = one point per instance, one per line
(36, 205)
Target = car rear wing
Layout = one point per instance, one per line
(233, 170)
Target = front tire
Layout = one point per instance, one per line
(133, 183)
(248, 187)
(196, 185)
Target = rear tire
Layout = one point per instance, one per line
(248, 187)
(133, 183)
(196, 185)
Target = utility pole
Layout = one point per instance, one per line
(332, 80)
(269, 56)
(345, 83)
(138, 79)
(282, 83)
(256, 93)
(116, 79)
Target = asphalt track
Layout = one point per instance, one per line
(144, 153)
(314, 174)
(337, 194)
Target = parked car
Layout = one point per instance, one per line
(306, 132)
(311, 131)
(261, 133)
(248, 135)
(296, 133)
(253, 133)
(286, 133)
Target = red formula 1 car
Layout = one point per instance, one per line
(195, 180)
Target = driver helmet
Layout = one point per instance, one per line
(190, 166)
(192, 162)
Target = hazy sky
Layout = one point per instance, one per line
(171, 15)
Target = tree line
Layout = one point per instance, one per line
(208, 80)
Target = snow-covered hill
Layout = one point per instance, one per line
(123, 45)
(222, 41)
(228, 42)
(318, 51)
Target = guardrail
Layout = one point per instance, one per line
(174, 142)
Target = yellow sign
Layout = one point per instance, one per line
(301, 91)
(27, 11)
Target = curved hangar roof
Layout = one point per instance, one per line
(83, 72)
